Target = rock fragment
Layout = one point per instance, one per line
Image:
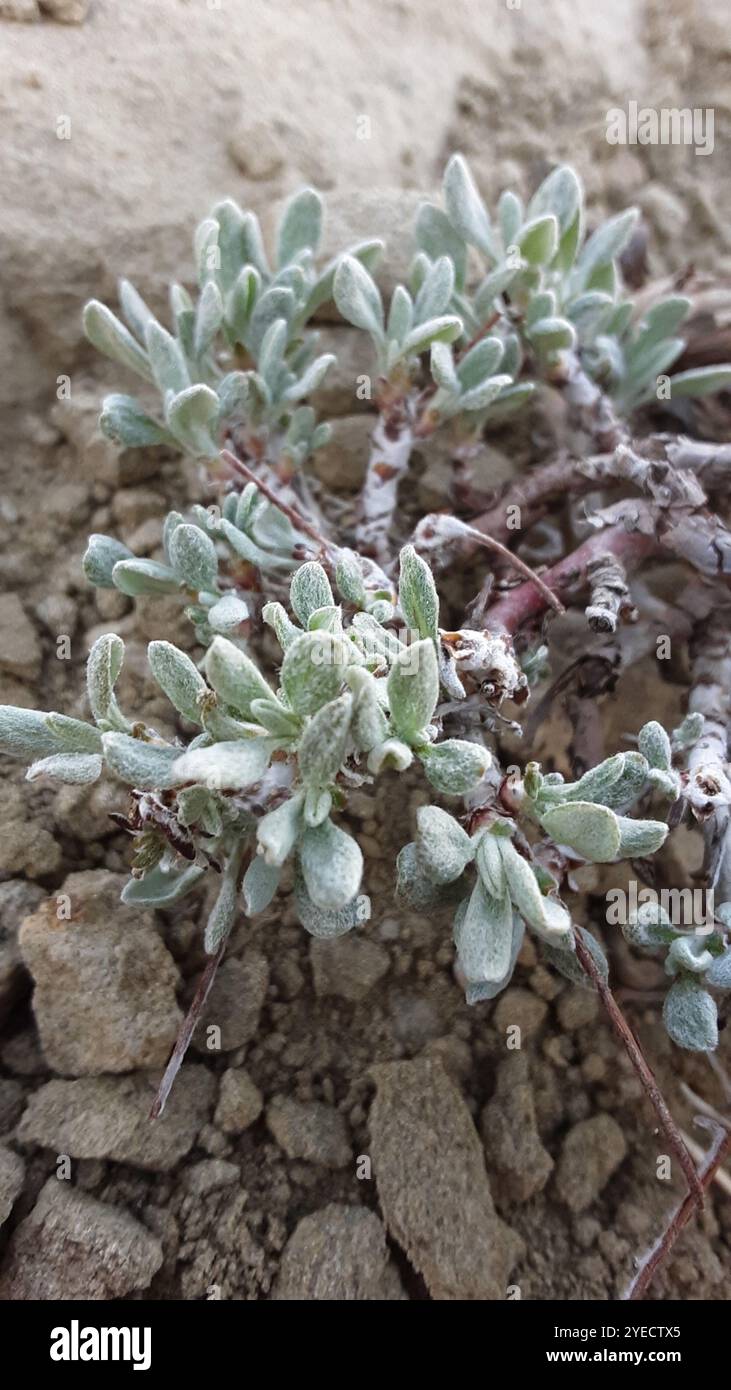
(434, 1192)
(338, 1253)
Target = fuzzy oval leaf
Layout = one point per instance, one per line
(314, 668)
(413, 689)
(590, 830)
(224, 766)
(193, 558)
(455, 766)
(358, 298)
(332, 866)
(443, 847)
(111, 338)
(690, 1016)
(234, 676)
(146, 766)
(417, 594)
(483, 935)
(279, 830)
(261, 882)
(323, 743)
(102, 554)
(309, 590)
(158, 888)
(178, 677)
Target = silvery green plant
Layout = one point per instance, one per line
(239, 358)
(697, 963)
(550, 290)
(265, 772)
(258, 775)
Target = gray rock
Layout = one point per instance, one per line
(20, 649)
(105, 983)
(66, 11)
(12, 1101)
(509, 1132)
(73, 1247)
(432, 1185)
(338, 1253)
(339, 393)
(592, 1151)
(27, 847)
(22, 11)
(239, 1102)
(234, 1004)
(17, 900)
(310, 1130)
(12, 1172)
(109, 1117)
(209, 1175)
(348, 967)
(341, 463)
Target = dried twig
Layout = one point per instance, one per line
(680, 1217)
(186, 1032)
(641, 1066)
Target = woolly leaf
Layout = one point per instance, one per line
(443, 848)
(413, 689)
(193, 558)
(314, 668)
(590, 830)
(455, 767)
(690, 1015)
(103, 666)
(418, 599)
(146, 766)
(490, 865)
(301, 226)
(701, 381)
(76, 768)
(719, 974)
(135, 577)
(309, 590)
(158, 887)
(228, 614)
(332, 866)
(111, 338)
(323, 743)
(102, 554)
(465, 208)
(538, 240)
(224, 766)
(483, 935)
(640, 837)
(124, 421)
(564, 959)
(278, 831)
(234, 676)
(261, 882)
(358, 297)
(349, 578)
(326, 923)
(176, 674)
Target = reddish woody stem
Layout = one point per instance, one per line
(641, 1066)
(527, 601)
(679, 1218)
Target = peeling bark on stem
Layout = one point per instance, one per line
(391, 446)
(526, 601)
